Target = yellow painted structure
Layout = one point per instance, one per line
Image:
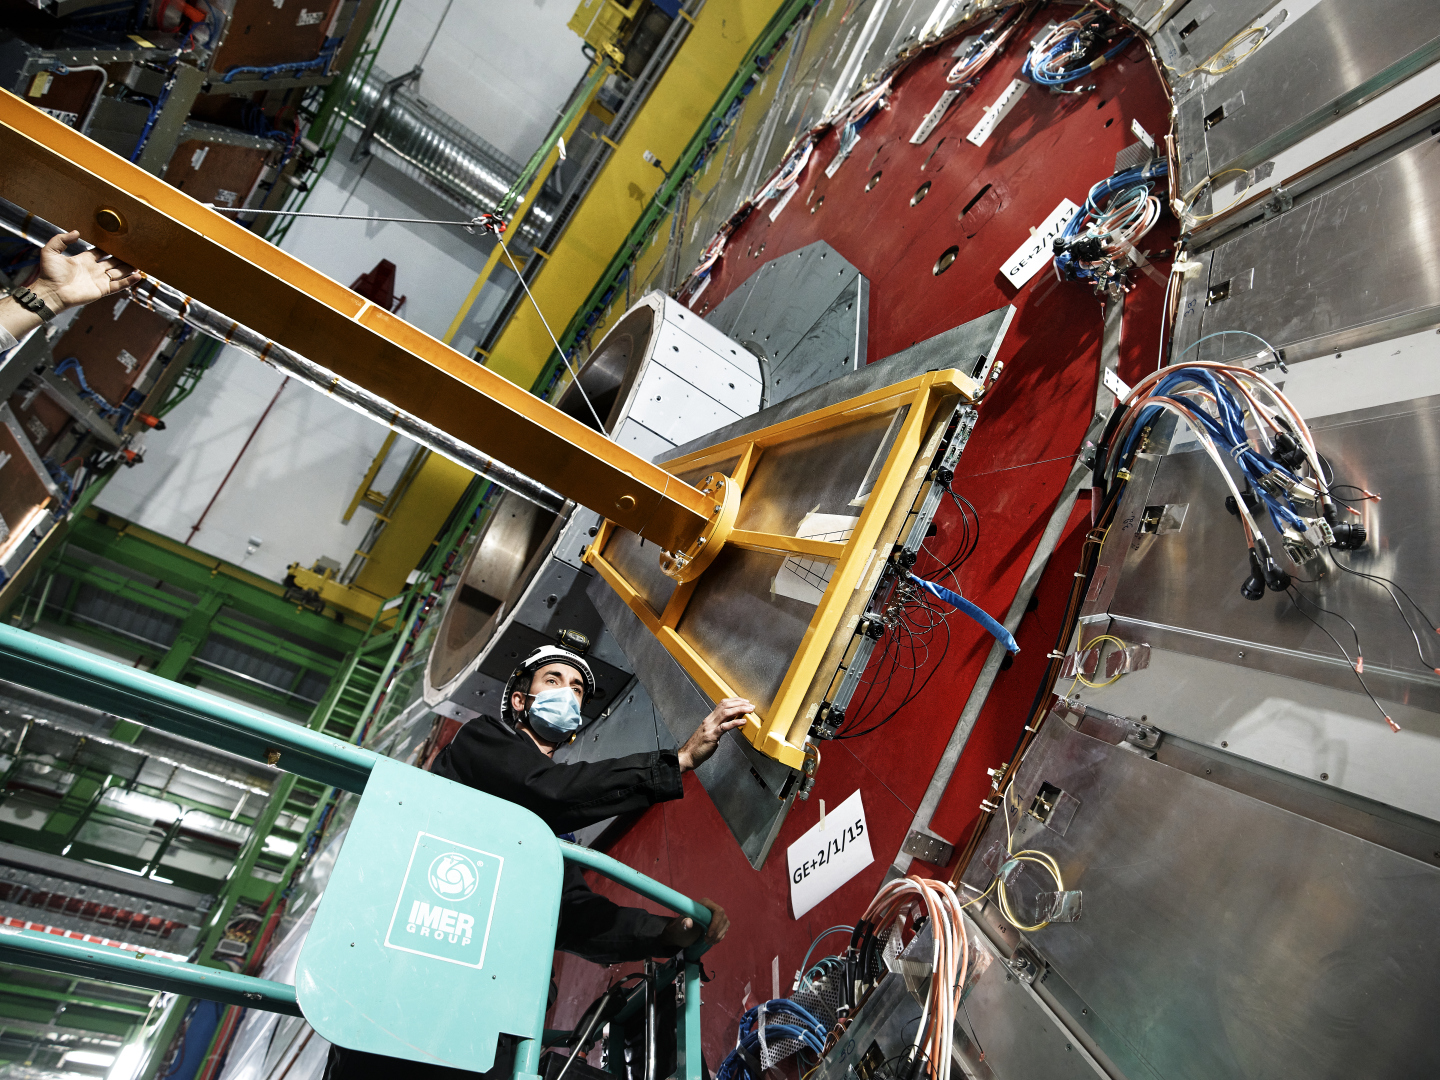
(722, 34)
(413, 525)
(914, 407)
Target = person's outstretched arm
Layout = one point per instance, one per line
(64, 281)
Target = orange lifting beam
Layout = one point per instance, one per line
(60, 175)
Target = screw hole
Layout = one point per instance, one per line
(947, 257)
(920, 193)
(873, 181)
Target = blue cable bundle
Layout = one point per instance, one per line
(774, 1021)
(70, 363)
(1105, 198)
(1045, 64)
(1229, 434)
(960, 604)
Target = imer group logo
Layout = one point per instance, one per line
(446, 901)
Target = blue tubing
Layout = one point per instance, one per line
(959, 603)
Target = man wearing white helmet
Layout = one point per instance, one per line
(513, 758)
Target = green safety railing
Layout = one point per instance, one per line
(48, 666)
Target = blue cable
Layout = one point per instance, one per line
(960, 604)
(1227, 431)
(320, 62)
(784, 1019)
(70, 363)
(1136, 176)
(154, 115)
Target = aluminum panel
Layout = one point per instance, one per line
(822, 474)
(1333, 58)
(1355, 264)
(783, 300)
(737, 592)
(1199, 29)
(833, 346)
(959, 347)
(1189, 579)
(1223, 937)
(748, 789)
(673, 408)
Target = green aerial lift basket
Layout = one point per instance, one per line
(436, 931)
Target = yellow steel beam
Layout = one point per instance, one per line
(795, 545)
(722, 33)
(58, 174)
(782, 730)
(367, 484)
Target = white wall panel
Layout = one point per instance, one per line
(503, 68)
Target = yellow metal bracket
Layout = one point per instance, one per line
(781, 729)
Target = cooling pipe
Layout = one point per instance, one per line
(434, 148)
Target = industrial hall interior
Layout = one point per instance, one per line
(719, 539)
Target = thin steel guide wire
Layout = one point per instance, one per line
(600, 424)
(172, 303)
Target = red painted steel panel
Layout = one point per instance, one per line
(1050, 147)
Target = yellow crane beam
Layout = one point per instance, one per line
(58, 174)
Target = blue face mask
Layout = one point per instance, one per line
(554, 715)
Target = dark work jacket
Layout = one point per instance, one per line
(506, 763)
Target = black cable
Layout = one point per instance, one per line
(1358, 651)
(1360, 678)
(911, 692)
(1377, 577)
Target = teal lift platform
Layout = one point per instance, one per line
(436, 931)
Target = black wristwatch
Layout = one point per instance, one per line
(32, 303)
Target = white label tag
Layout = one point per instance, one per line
(802, 577)
(843, 152)
(705, 284)
(784, 201)
(829, 855)
(1115, 384)
(997, 112)
(934, 117)
(127, 360)
(1036, 251)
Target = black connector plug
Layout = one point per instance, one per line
(1349, 535)
(1288, 451)
(1253, 587)
(1252, 502)
(1278, 580)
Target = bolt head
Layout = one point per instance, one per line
(111, 220)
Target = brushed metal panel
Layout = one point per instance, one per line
(1223, 937)
(744, 784)
(1336, 56)
(1215, 23)
(958, 347)
(1357, 263)
(833, 346)
(746, 632)
(783, 300)
(1190, 579)
(1302, 730)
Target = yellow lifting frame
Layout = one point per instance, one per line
(782, 731)
(58, 174)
